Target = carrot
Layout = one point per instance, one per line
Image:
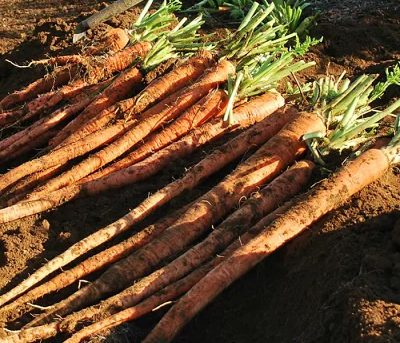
(245, 115)
(173, 81)
(204, 109)
(26, 142)
(57, 78)
(10, 116)
(248, 114)
(115, 39)
(207, 82)
(286, 185)
(92, 264)
(324, 197)
(219, 158)
(19, 190)
(259, 168)
(115, 63)
(64, 154)
(118, 90)
(171, 292)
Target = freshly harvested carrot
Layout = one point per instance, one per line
(115, 63)
(115, 40)
(26, 142)
(92, 264)
(286, 185)
(259, 168)
(19, 190)
(245, 115)
(219, 158)
(171, 292)
(64, 154)
(155, 91)
(146, 125)
(324, 197)
(10, 117)
(57, 78)
(118, 90)
(199, 113)
(173, 81)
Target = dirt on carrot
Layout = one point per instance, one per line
(342, 274)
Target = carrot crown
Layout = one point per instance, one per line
(345, 108)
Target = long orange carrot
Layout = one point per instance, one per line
(286, 185)
(115, 40)
(90, 265)
(173, 81)
(196, 115)
(219, 158)
(115, 63)
(29, 134)
(207, 82)
(259, 168)
(169, 293)
(118, 90)
(245, 115)
(159, 88)
(324, 197)
(64, 154)
(57, 78)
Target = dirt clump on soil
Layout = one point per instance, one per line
(338, 282)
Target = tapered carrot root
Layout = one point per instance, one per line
(117, 91)
(200, 112)
(10, 117)
(64, 154)
(115, 63)
(57, 78)
(245, 115)
(92, 264)
(19, 190)
(259, 168)
(228, 152)
(35, 131)
(155, 91)
(170, 292)
(324, 197)
(286, 185)
(211, 79)
(173, 81)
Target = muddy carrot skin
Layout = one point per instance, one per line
(245, 115)
(35, 131)
(115, 40)
(144, 127)
(286, 185)
(261, 108)
(57, 78)
(119, 89)
(64, 154)
(227, 153)
(259, 168)
(199, 113)
(154, 92)
(324, 197)
(90, 265)
(173, 81)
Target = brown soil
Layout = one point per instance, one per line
(338, 282)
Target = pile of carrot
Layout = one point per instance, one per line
(108, 130)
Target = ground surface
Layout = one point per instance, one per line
(338, 282)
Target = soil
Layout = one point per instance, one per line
(339, 282)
